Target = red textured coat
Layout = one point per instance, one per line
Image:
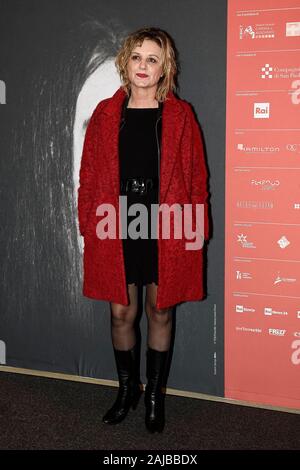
(183, 180)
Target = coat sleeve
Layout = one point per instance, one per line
(199, 192)
(87, 173)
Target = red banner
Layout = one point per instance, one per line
(262, 255)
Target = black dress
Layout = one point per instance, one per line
(138, 157)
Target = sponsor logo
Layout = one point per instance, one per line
(261, 110)
(248, 329)
(276, 332)
(241, 309)
(292, 29)
(266, 185)
(279, 72)
(257, 31)
(283, 242)
(240, 275)
(295, 148)
(267, 71)
(247, 32)
(269, 311)
(255, 204)
(280, 279)
(258, 149)
(242, 239)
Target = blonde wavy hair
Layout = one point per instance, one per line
(169, 59)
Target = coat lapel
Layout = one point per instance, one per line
(172, 125)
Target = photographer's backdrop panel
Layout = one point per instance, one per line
(57, 63)
(262, 281)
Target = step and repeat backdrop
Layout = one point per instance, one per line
(56, 63)
(262, 256)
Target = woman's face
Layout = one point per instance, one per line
(145, 65)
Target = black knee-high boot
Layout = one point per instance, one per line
(154, 397)
(129, 386)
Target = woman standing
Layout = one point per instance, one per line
(142, 144)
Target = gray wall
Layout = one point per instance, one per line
(45, 322)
